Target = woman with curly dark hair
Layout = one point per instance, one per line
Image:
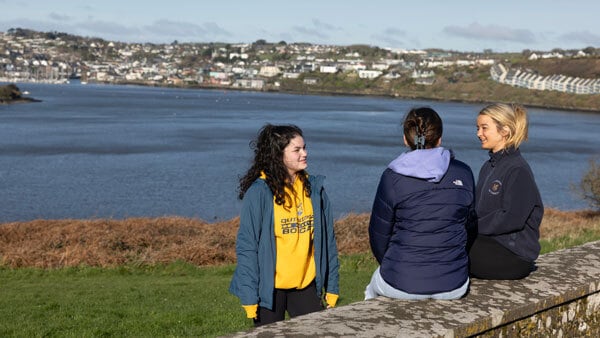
(286, 249)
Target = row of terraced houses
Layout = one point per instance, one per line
(530, 80)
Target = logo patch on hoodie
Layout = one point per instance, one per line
(495, 187)
(458, 182)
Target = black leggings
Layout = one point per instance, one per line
(489, 259)
(297, 302)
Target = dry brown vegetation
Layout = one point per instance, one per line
(558, 223)
(107, 242)
(146, 241)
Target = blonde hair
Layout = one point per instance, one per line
(511, 116)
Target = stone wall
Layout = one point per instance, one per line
(560, 299)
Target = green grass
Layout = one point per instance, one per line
(175, 300)
(563, 242)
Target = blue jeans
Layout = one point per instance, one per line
(379, 287)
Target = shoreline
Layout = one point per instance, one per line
(336, 93)
(325, 93)
(19, 100)
(407, 97)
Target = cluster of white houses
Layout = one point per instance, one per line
(561, 83)
(43, 59)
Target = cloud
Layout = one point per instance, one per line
(394, 31)
(585, 37)
(158, 32)
(491, 32)
(43, 26)
(323, 25)
(104, 29)
(391, 37)
(310, 32)
(316, 30)
(59, 17)
(286, 37)
(214, 29)
(186, 30)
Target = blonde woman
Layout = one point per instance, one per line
(509, 206)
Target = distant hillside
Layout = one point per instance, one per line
(464, 84)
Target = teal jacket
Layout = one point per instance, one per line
(254, 277)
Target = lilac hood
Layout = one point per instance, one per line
(427, 164)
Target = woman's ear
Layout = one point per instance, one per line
(405, 142)
(505, 132)
(439, 142)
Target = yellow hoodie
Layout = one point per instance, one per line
(293, 222)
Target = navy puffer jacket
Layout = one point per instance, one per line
(417, 231)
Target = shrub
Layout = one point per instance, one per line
(589, 187)
(9, 92)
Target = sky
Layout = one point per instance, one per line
(467, 26)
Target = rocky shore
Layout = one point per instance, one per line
(12, 94)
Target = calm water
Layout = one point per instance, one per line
(122, 151)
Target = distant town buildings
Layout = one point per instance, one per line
(58, 58)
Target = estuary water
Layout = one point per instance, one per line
(100, 151)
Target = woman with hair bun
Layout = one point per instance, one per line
(509, 206)
(286, 250)
(423, 205)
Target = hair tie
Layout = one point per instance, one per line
(420, 141)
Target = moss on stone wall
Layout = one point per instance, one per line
(580, 318)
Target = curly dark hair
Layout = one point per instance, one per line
(422, 128)
(268, 158)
